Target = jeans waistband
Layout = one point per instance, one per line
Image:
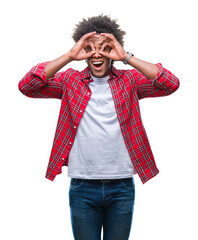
(104, 180)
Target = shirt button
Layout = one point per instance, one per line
(63, 159)
(70, 143)
(80, 111)
(74, 126)
(88, 93)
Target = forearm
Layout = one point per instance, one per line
(76, 53)
(149, 70)
(34, 83)
(54, 66)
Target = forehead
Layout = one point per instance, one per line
(96, 38)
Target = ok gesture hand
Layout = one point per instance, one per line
(78, 51)
(116, 52)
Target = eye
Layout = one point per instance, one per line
(106, 49)
(88, 49)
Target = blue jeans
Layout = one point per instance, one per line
(101, 203)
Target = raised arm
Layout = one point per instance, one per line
(44, 80)
(152, 79)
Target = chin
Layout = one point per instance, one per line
(100, 74)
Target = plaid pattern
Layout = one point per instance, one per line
(127, 86)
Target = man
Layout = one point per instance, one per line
(99, 135)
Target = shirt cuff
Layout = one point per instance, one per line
(39, 70)
(160, 71)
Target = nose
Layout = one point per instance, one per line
(97, 54)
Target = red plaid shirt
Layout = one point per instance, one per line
(127, 87)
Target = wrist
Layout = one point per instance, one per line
(68, 57)
(127, 58)
(124, 56)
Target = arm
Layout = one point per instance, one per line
(43, 81)
(152, 79)
(164, 83)
(117, 53)
(36, 85)
(149, 70)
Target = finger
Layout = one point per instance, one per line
(90, 54)
(92, 45)
(106, 40)
(104, 45)
(107, 47)
(102, 40)
(109, 35)
(87, 35)
(105, 54)
(89, 46)
(102, 52)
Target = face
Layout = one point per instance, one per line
(98, 64)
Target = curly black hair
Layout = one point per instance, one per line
(100, 24)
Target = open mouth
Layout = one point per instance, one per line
(97, 65)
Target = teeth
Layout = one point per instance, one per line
(97, 62)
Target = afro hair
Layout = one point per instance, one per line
(100, 24)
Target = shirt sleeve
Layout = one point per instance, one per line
(165, 83)
(35, 84)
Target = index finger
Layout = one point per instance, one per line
(87, 35)
(90, 44)
(109, 35)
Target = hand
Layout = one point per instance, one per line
(116, 51)
(78, 52)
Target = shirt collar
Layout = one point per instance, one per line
(86, 76)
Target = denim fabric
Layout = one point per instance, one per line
(95, 204)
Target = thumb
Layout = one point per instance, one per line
(90, 54)
(105, 54)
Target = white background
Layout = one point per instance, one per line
(33, 207)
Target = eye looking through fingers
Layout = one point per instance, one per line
(105, 47)
(88, 49)
(98, 43)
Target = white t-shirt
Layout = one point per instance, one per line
(99, 150)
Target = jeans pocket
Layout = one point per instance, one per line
(128, 183)
(75, 183)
